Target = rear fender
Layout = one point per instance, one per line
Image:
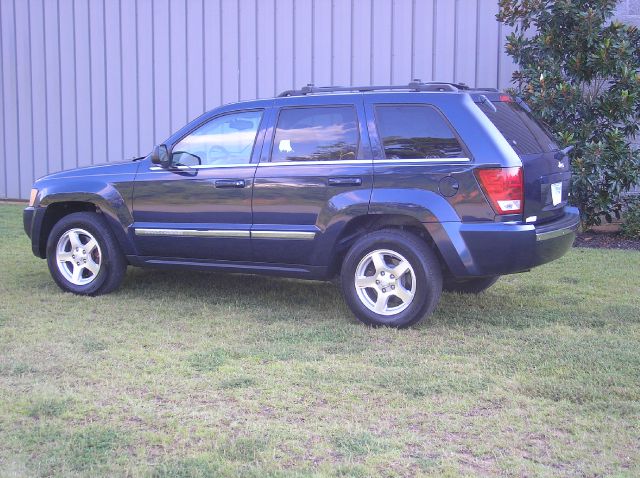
(434, 212)
(425, 206)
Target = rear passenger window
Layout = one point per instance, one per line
(316, 134)
(416, 132)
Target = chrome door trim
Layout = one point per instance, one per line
(302, 235)
(227, 233)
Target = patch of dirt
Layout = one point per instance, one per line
(606, 240)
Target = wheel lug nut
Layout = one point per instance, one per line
(382, 273)
(392, 287)
(392, 276)
(77, 263)
(84, 252)
(73, 256)
(384, 290)
(85, 260)
(377, 282)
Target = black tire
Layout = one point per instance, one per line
(113, 264)
(469, 286)
(425, 266)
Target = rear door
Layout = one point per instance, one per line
(315, 173)
(547, 174)
(415, 147)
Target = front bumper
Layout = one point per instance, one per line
(32, 218)
(481, 249)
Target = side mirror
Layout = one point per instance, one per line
(161, 156)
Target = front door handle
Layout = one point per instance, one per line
(230, 183)
(345, 181)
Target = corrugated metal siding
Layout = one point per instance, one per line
(89, 81)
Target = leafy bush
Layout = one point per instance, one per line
(631, 223)
(580, 73)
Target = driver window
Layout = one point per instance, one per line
(227, 139)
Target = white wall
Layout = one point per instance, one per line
(89, 81)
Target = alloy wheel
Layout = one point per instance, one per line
(385, 282)
(78, 256)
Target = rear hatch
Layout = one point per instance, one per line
(546, 169)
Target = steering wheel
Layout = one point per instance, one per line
(223, 153)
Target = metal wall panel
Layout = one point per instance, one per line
(88, 81)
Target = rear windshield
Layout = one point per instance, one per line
(519, 128)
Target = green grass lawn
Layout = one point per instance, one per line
(188, 374)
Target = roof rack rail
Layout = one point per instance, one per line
(415, 85)
(481, 88)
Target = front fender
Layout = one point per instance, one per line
(113, 200)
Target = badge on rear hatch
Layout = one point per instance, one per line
(556, 193)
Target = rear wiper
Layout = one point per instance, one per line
(138, 159)
(485, 101)
(523, 104)
(563, 152)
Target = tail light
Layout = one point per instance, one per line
(503, 188)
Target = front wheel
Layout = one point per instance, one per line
(83, 255)
(391, 278)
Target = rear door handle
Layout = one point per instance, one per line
(345, 181)
(230, 183)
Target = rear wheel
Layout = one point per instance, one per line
(83, 255)
(391, 278)
(469, 286)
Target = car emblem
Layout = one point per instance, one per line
(560, 164)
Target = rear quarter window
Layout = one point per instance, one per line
(416, 132)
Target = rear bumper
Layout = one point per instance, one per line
(480, 249)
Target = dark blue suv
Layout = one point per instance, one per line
(397, 192)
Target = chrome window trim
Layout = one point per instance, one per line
(191, 232)
(317, 163)
(203, 166)
(423, 160)
(366, 161)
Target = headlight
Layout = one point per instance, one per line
(32, 198)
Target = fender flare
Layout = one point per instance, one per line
(423, 205)
(106, 198)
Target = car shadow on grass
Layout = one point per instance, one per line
(269, 298)
(508, 304)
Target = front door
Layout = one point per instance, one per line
(315, 174)
(200, 208)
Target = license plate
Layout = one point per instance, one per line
(556, 193)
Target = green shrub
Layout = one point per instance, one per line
(631, 223)
(580, 73)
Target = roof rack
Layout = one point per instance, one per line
(415, 85)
